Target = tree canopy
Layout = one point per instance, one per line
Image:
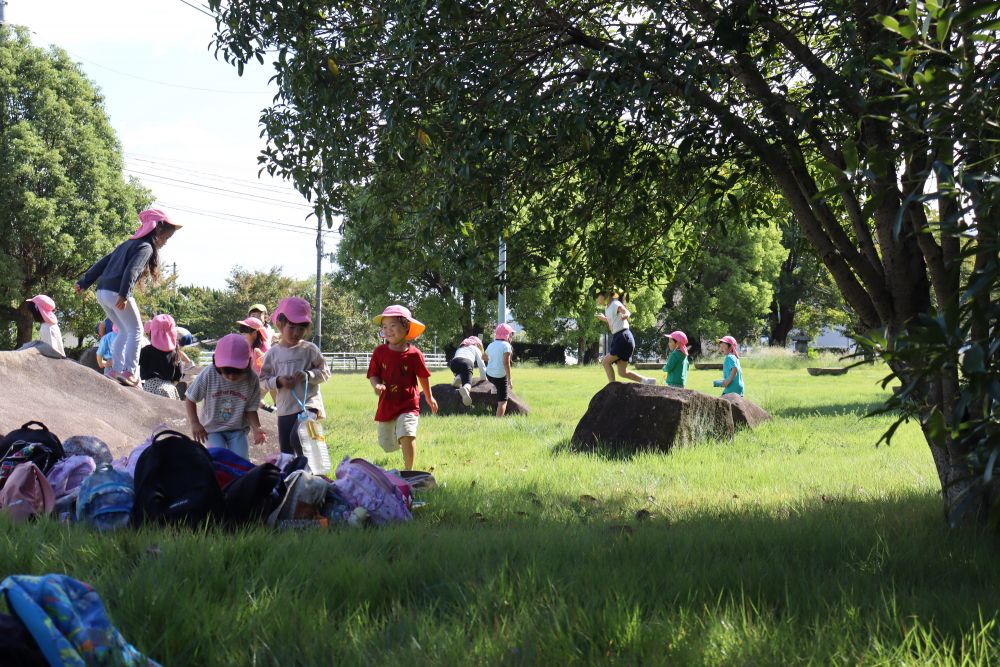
(63, 199)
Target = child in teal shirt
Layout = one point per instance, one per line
(676, 367)
(732, 373)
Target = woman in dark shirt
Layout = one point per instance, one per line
(159, 363)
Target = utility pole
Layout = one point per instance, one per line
(318, 335)
(2, 3)
(502, 291)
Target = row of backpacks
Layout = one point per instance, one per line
(171, 479)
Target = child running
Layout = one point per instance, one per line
(159, 363)
(676, 367)
(294, 368)
(43, 311)
(395, 369)
(116, 275)
(622, 345)
(468, 355)
(229, 392)
(499, 354)
(732, 373)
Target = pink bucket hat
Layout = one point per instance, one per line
(232, 351)
(295, 309)
(732, 344)
(163, 333)
(682, 341)
(472, 340)
(416, 327)
(46, 307)
(503, 331)
(148, 220)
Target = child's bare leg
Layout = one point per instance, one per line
(408, 444)
(606, 362)
(626, 373)
(501, 408)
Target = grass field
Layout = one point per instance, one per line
(798, 543)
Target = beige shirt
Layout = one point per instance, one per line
(280, 361)
(50, 334)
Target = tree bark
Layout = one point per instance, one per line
(25, 325)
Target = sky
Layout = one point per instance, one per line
(189, 128)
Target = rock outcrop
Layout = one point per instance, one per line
(746, 413)
(484, 400)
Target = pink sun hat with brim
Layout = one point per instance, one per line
(148, 220)
(503, 331)
(395, 310)
(472, 340)
(295, 309)
(733, 346)
(254, 324)
(682, 341)
(46, 308)
(163, 333)
(232, 351)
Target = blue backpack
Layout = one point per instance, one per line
(106, 499)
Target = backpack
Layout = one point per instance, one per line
(228, 465)
(253, 496)
(69, 473)
(68, 621)
(175, 483)
(25, 434)
(17, 646)
(27, 493)
(302, 501)
(364, 484)
(42, 455)
(106, 499)
(88, 445)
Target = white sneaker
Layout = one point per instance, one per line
(649, 380)
(466, 396)
(457, 382)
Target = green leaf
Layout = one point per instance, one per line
(975, 11)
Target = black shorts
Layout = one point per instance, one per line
(462, 368)
(501, 385)
(622, 345)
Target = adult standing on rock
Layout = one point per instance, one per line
(116, 275)
(622, 345)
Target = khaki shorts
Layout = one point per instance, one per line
(390, 432)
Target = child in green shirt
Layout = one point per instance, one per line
(676, 367)
(732, 373)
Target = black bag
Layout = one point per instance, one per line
(31, 435)
(250, 498)
(17, 646)
(175, 483)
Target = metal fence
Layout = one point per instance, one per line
(358, 361)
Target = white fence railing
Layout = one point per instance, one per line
(358, 361)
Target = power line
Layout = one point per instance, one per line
(246, 182)
(200, 187)
(201, 8)
(245, 220)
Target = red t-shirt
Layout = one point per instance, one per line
(399, 372)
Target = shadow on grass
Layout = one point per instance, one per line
(608, 451)
(859, 408)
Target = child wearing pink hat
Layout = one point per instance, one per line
(43, 311)
(732, 373)
(229, 393)
(676, 367)
(116, 275)
(294, 368)
(622, 345)
(159, 363)
(396, 367)
(469, 355)
(498, 356)
(256, 335)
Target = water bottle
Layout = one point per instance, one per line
(313, 442)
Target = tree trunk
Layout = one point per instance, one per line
(25, 325)
(781, 319)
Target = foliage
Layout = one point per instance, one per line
(63, 199)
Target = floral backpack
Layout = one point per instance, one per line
(363, 484)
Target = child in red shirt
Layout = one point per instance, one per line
(395, 369)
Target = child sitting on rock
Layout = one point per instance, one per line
(732, 373)
(468, 355)
(43, 311)
(159, 364)
(395, 369)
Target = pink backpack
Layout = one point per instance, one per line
(69, 474)
(27, 493)
(364, 484)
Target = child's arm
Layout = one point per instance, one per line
(623, 311)
(268, 376)
(732, 376)
(198, 431)
(318, 372)
(506, 368)
(425, 386)
(377, 385)
(259, 437)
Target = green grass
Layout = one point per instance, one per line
(800, 542)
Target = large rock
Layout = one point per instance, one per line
(88, 358)
(746, 413)
(72, 400)
(633, 417)
(484, 400)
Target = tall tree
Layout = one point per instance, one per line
(63, 199)
(816, 95)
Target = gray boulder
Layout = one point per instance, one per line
(746, 413)
(629, 417)
(88, 358)
(484, 401)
